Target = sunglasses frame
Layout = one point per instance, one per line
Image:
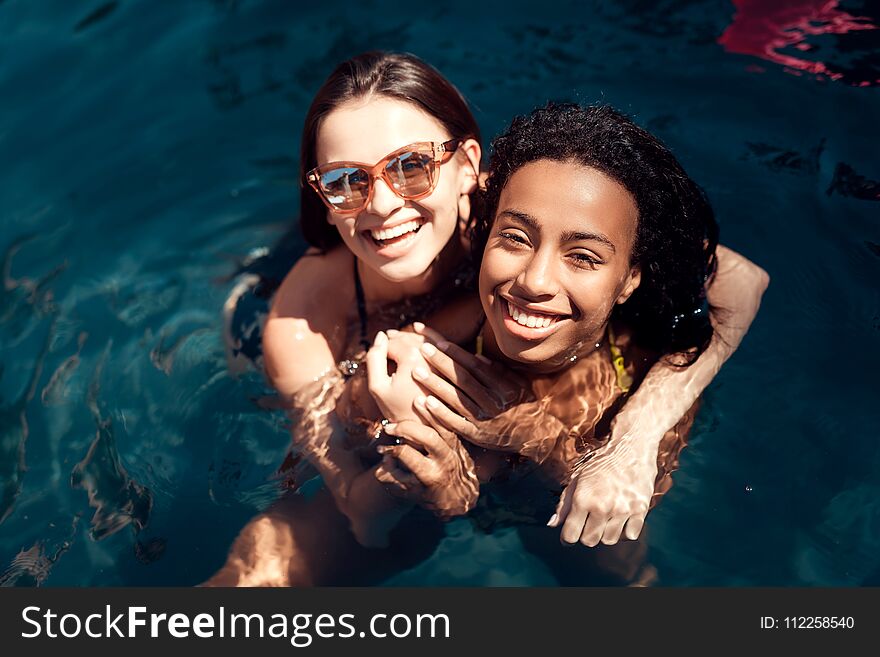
(442, 153)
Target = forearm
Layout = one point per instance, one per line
(668, 392)
(561, 460)
(371, 510)
(318, 435)
(547, 441)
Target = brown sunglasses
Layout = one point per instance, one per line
(410, 172)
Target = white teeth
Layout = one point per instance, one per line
(530, 321)
(396, 231)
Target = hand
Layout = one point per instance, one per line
(394, 393)
(439, 472)
(609, 494)
(483, 402)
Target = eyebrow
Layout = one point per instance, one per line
(567, 236)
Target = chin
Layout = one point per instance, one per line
(403, 270)
(544, 356)
(527, 355)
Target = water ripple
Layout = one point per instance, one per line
(13, 437)
(31, 566)
(118, 500)
(55, 391)
(96, 16)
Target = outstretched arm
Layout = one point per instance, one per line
(610, 494)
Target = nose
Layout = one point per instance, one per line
(537, 280)
(384, 201)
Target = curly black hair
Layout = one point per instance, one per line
(676, 234)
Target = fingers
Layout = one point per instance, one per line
(575, 520)
(378, 379)
(424, 469)
(448, 435)
(563, 507)
(593, 528)
(634, 526)
(458, 374)
(492, 375)
(419, 435)
(398, 482)
(613, 529)
(388, 472)
(501, 383)
(476, 366)
(453, 397)
(408, 455)
(437, 413)
(429, 333)
(403, 347)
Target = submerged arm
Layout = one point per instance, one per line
(667, 392)
(663, 398)
(298, 346)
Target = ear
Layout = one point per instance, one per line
(469, 176)
(632, 282)
(470, 168)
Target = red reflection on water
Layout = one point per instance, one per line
(764, 27)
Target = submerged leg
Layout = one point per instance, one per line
(293, 543)
(307, 542)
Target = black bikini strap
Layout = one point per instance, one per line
(361, 305)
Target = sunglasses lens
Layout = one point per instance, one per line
(346, 188)
(411, 174)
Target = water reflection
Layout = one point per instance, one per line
(117, 499)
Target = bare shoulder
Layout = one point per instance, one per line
(306, 325)
(308, 282)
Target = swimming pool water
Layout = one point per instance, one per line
(148, 148)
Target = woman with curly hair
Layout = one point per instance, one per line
(596, 250)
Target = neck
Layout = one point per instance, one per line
(380, 291)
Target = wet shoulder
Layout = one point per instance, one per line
(319, 285)
(305, 332)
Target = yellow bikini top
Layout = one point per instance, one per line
(624, 380)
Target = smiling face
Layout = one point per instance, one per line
(399, 239)
(557, 261)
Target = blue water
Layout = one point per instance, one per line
(147, 148)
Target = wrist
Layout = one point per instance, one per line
(636, 430)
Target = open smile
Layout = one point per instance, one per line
(528, 324)
(395, 240)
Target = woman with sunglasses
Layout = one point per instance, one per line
(391, 153)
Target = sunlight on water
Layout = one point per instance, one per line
(149, 154)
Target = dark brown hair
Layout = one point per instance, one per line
(394, 75)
